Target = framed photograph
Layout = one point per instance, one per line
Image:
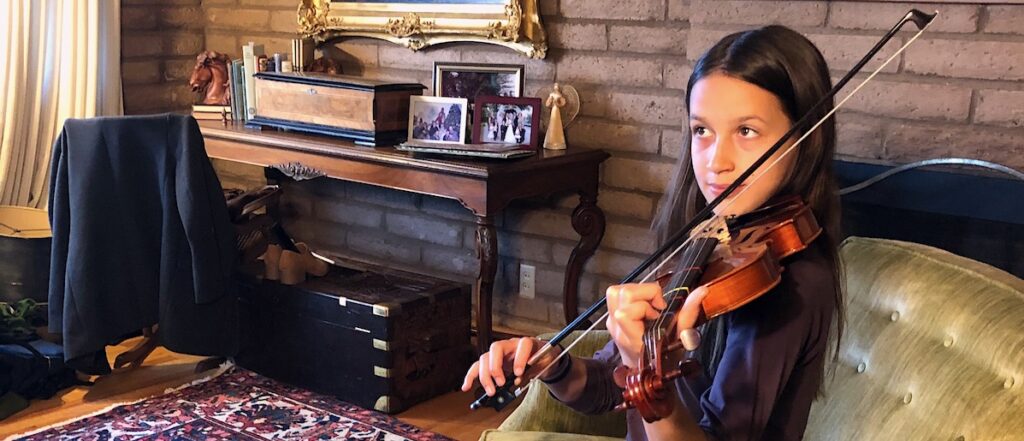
(467, 80)
(507, 120)
(437, 119)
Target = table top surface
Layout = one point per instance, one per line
(544, 160)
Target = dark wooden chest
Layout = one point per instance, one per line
(377, 338)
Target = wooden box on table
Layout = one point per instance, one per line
(378, 338)
(366, 112)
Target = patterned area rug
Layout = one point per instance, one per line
(238, 405)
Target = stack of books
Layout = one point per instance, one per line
(211, 112)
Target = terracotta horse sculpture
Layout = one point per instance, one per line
(210, 76)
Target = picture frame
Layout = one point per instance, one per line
(417, 24)
(492, 121)
(470, 80)
(431, 121)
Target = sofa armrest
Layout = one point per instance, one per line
(539, 412)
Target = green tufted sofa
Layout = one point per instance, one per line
(933, 350)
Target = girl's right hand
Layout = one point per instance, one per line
(493, 365)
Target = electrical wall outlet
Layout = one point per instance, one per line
(527, 281)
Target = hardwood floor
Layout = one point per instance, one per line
(448, 414)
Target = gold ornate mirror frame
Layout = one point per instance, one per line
(417, 24)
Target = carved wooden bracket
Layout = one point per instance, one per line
(298, 171)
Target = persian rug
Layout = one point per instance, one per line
(237, 405)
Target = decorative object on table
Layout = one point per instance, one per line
(554, 138)
(369, 335)
(507, 120)
(490, 150)
(324, 65)
(210, 78)
(286, 66)
(512, 23)
(468, 80)
(237, 404)
(568, 113)
(25, 240)
(303, 52)
(249, 65)
(438, 119)
(366, 112)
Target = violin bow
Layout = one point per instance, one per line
(506, 394)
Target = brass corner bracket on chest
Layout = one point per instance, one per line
(511, 23)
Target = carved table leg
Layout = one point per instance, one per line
(588, 221)
(487, 252)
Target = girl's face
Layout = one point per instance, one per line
(732, 123)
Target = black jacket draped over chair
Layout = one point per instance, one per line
(141, 235)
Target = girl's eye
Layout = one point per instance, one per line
(747, 132)
(700, 131)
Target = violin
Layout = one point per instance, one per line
(737, 259)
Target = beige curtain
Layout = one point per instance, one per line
(59, 59)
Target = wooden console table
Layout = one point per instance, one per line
(485, 187)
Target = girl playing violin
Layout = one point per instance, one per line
(763, 363)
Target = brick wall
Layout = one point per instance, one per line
(958, 91)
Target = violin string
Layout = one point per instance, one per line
(727, 203)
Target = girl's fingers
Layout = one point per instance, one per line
(485, 374)
(471, 375)
(690, 312)
(523, 352)
(497, 358)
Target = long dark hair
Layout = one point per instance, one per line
(788, 65)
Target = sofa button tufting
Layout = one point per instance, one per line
(1008, 383)
(907, 398)
(862, 367)
(895, 316)
(948, 341)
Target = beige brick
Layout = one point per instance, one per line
(578, 36)
(189, 44)
(624, 71)
(284, 21)
(455, 261)
(679, 10)
(533, 309)
(270, 44)
(140, 99)
(650, 109)
(671, 143)
(605, 261)
(548, 7)
(842, 52)
(138, 18)
(593, 100)
(1004, 20)
(384, 246)
(524, 247)
(141, 45)
(179, 70)
(271, 3)
(637, 239)
(860, 139)
(650, 40)
(882, 16)
(225, 44)
(546, 223)
(790, 13)
(637, 175)
(677, 75)
(362, 54)
(625, 204)
(535, 69)
(593, 133)
(1000, 107)
(349, 213)
(912, 100)
(701, 39)
(614, 9)
(140, 72)
(189, 18)
(249, 19)
(992, 60)
(403, 58)
(916, 141)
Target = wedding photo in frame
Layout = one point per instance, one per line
(438, 119)
(470, 80)
(507, 120)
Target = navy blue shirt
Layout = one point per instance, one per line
(771, 366)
